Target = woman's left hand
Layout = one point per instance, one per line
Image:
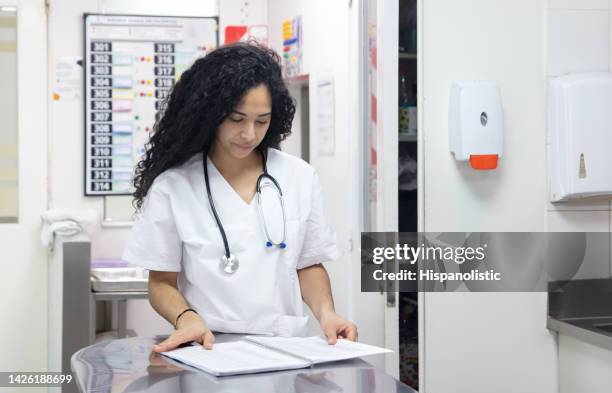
(335, 327)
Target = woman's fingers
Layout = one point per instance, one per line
(351, 332)
(172, 342)
(331, 335)
(348, 332)
(165, 345)
(208, 339)
(190, 330)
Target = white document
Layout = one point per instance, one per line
(68, 81)
(316, 350)
(325, 116)
(257, 354)
(240, 357)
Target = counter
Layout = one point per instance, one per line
(595, 331)
(582, 309)
(127, 365)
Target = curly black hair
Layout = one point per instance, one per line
(200, 101)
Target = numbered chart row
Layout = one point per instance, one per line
(107, 46)
(121, 162)
(112, 105)
(127, 94)
(110, 151)
(111, 174)
(117, 105)
(114, 128)
(119, 117)
(125, 82)
(121, 59)
(107, 70)
(115, 187)
(111, 139)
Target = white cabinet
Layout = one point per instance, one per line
(583, 367)
(580, 136)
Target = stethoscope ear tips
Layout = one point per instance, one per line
(281, 245)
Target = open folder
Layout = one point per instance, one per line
(256, 354)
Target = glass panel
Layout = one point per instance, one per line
(8, 114)
(371, 130)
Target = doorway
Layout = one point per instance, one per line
(408, 309)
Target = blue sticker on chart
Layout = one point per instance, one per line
(122, 149)
(122, 175)
(122, 82)
(121, 138)
(123, 161)
(122, 59)
(122, 128)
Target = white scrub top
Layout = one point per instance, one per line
(176, 232)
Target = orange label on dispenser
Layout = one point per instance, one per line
(484, 161)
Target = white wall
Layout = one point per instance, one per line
(583, 367)
(481, 342)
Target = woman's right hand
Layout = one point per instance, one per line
(190, 327)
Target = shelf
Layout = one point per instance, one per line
(407, 138)
(120, 295)
(407, 55)
(297, 80)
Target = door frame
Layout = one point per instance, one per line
(388, 220)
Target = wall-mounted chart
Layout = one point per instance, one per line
(131, 63)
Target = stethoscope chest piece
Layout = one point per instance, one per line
(229, 265)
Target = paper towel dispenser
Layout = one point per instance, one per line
(579, 139)
(476, 123)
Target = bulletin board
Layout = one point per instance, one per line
(131, 63)
(292, 46)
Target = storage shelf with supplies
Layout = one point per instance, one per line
(407, 138)
(403, 55)
(408, 180)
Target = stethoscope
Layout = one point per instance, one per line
(229, 263)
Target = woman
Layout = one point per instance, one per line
(222, 257)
